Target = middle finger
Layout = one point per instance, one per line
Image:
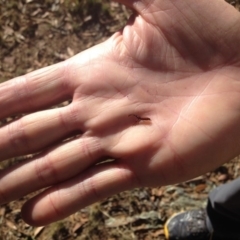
(36, 131)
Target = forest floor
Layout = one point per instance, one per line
(37, 33)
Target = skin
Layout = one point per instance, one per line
(161, 98)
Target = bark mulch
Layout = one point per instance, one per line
(37, 33)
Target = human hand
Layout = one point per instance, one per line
(161, 98)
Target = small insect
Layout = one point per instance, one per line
(140, 118)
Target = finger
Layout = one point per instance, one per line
(64, 199)
(34, 132)
(36, 90)
(57, 165)
(50, 85)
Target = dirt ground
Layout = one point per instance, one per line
(37, 33)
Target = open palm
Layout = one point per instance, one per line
(161, 98)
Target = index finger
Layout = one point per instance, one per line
(34, 91)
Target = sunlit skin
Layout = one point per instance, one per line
(161, 98)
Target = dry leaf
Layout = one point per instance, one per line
(37, 231)
(11, 225)
(200, 188)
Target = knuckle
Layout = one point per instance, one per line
(45, 170)
(21, 90)
(64, 69)
(53, 204)
(17, 135)
(69, 118)
(74, 115)
(89, 189)
(91, 148)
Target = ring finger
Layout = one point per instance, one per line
(56, 165)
